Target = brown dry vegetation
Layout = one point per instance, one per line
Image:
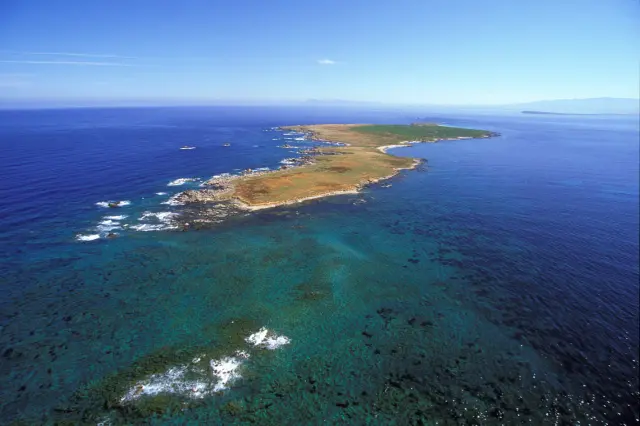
(359, 163)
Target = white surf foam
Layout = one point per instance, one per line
(108, 225)
(226, 370)
(221, 175)
(190, 380)
(161, 216)
(118, 217)
(161, 193)
(181, 181)
(147, 227)
(87, 237)
(267, 339)
(106, 203)
(172, 201)
(172, 381)
(188, 147)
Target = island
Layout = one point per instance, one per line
(354, 156)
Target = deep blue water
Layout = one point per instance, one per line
(498, 284)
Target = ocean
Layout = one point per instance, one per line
(496, 284)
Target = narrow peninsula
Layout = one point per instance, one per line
(355, 156)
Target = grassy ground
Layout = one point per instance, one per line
(357, 164)
(420, 132)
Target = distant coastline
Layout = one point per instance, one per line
(575, 113)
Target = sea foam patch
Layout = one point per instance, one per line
(108, 225)
(226, 371)
(161, 216)
(194, 381)
(112, 204)
(173, 200)
(87, 237)
(190, 380)
(172, 381)
(161, 221)
(267, 339)
(181, 181)
(148, 227)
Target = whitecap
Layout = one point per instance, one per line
(106, 203)
(161, 216)
(87, 237)
(267, 339)
(188, 147)
(119, 217)
(173, 200)
(161, 193)
(108, 225)
(172, 381)
(181, 181)
(190, 380)
(147, 227)
(226, 370)
(221, 175)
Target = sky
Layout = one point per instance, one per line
(449, 52)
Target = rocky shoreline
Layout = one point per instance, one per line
(221, 188)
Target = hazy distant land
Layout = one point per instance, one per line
(590, 106)
(575, 113)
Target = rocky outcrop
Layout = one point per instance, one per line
(203, 196)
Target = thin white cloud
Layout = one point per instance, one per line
(80, 63)
(326, 62)
(61, 56)
(71, 54)
(80, 55)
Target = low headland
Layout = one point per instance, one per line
(355, 156)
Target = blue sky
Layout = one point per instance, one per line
(402, 51)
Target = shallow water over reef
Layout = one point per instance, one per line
(497, 285)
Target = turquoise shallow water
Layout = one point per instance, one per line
(498, 284)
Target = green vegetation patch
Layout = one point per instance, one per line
(421, 132)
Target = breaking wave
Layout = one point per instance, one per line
(197, 379)
(181, 181)
(114, 203)
(267, 339)
(87, 237)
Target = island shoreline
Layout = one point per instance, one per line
(357, 149)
